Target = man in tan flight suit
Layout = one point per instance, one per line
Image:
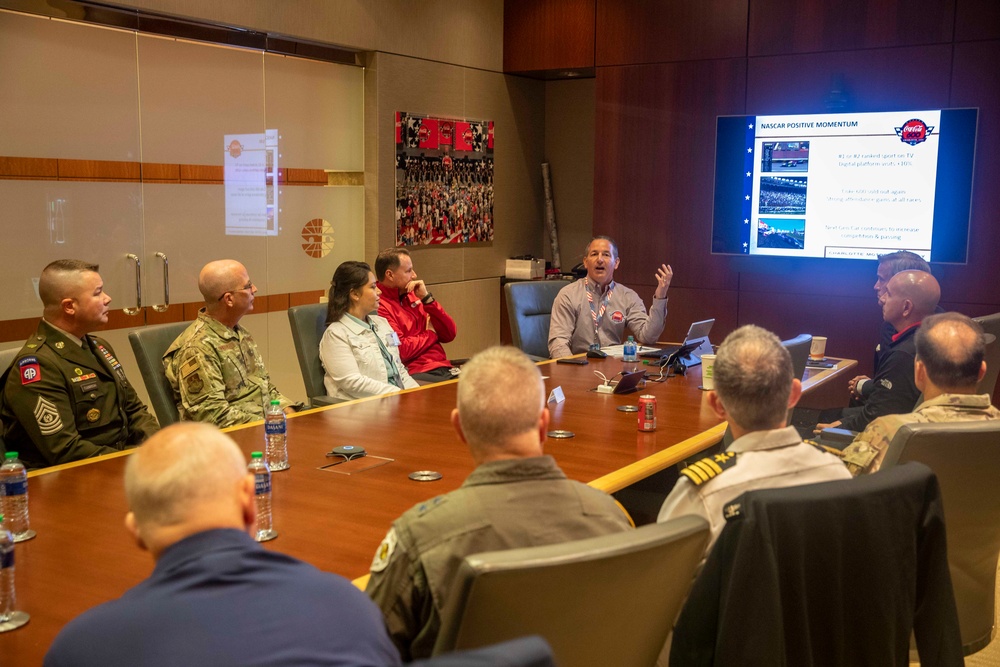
(516, 497)
(214, 367)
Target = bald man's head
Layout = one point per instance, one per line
(952, 348)
(186, 478)
(227, 289)
(909, 297)
(219, 277)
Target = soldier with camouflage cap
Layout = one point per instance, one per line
(214, 367)
(950, 362)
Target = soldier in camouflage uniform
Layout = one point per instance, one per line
(214, 367)
(516, 497)
(66, 397)
(950, 362)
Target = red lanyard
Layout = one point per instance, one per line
(595, 314)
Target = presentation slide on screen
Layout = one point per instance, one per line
(849, 185)
(251, 182)
(845, 185)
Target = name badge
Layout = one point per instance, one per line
(392, 339)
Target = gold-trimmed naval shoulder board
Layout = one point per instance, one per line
(709, 467)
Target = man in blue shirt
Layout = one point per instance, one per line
(216, 597)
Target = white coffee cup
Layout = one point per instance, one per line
(708, 371)
(818, 348)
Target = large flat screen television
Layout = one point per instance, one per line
(845, 185)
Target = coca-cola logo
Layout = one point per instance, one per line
(914, 131)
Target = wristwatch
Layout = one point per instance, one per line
(427, 300)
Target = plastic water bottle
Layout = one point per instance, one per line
(262, 491)
(14, 489)
(10, 619)
(276, 442)
(630, 352)
(8, 598)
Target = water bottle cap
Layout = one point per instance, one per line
(275, 402)
(256, 455)
(10, 455)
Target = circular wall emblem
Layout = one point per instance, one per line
(235, 148)
(317, 238)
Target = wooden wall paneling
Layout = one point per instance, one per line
(875, 80)
(632, 32)
(156, 172)
(654, 166)
(548, 34)
(29, 168)
(976, 84)
(687, 305)
(850, 323)
(977, 19)
(805, 26)
(98, 170)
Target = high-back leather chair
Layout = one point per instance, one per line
(149, 344)
(965, 456)
(529, 309)
(837, 573)
(608, 600)
(308, 324)
(798, 347)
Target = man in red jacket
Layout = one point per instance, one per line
(409, 307)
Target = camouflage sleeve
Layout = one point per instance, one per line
(400, 589)
(45, 411)
(864, 455)
(203, 390)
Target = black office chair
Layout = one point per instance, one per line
(308, 324)
(837, 573)
(149, 345)
(529, 309)
(965, 456)
(607, 600)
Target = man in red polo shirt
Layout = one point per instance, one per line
(409, 308)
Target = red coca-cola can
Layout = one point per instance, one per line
(647, 412)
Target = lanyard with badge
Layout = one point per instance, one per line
(391, 340)
(597, 314)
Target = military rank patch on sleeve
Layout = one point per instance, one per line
(709, 467)
(47, 416)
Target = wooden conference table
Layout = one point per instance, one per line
(83, 555)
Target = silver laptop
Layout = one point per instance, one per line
(697, 333)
